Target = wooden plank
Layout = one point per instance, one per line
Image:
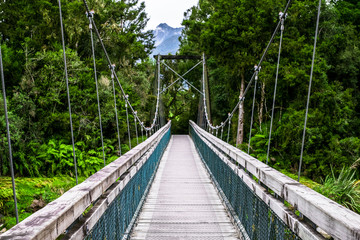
(52, 220)
(334, 219)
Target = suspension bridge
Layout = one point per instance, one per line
(194, 186)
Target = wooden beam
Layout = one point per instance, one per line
(301, 228)
(178, 57)
(92, 217)
(52, 220)
(334, 219)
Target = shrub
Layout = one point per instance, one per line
(344, 189)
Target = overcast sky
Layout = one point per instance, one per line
(167, 11)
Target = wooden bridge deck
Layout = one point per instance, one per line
(183, 202)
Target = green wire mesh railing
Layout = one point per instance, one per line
(256, 217)
(114, 223)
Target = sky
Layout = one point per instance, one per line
(167, 11)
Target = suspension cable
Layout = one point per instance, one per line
(142, 134)
(241, 99)
(115, 75)
(259, 65)
(309, 91)
(228, 135)
(158, 122)
(96, 84)
(222, 130)
(115, 107)
(127, 121)
(156, 125)
(210, 125)
(9, 138)
(282, 20)
(253, 106)
(67, 89)
(158, 91)
(205, 122)
(137, 139)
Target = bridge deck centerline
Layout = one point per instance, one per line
(188, 209)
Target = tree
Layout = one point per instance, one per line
(33, 66)
(235, 33)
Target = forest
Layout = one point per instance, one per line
(232, 35)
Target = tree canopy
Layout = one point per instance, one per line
(35, 85)
(233, 34)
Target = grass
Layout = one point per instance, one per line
(32, 194)
(303, 180)
(344, 188)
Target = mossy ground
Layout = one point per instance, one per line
(43, 190)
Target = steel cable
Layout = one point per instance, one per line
(96, 85)
(253, 107)
(9, 138)
(309, 90)
(259, 65)
(180, 78)
(115, 107)
(115, 75)
(127, 121)
(282, 19)
(137, 139)
(67, 89)
(142, 134)
(222, 130)
(228, 135)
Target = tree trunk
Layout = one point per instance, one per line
(261, 103)
(240, 130)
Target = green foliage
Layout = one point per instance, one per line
(344, 189)
(303, 180)
(36, 91)
(233, 34)
(180, 101)
(32, 193)
(258, 144)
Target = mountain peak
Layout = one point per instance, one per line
(163, 25)
(166, 27)
(166, 39)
